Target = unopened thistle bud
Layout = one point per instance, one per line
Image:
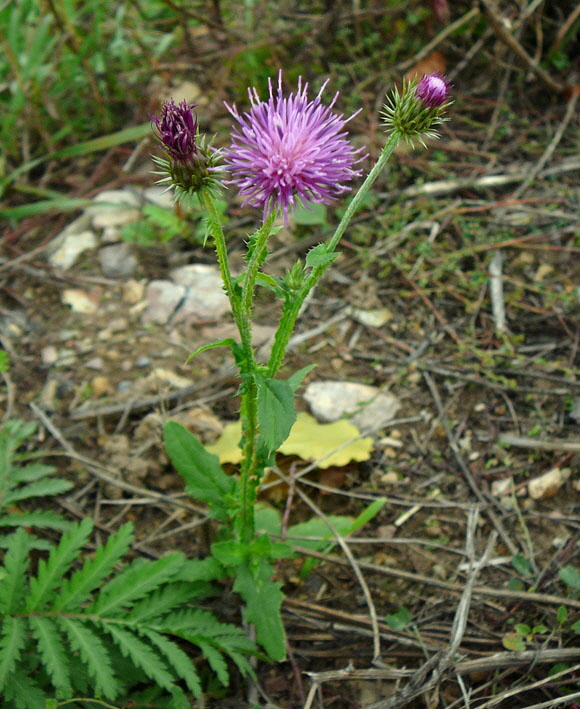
(415, 110)
(190, 165)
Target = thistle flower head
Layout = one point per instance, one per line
(433, 90)
(414, 110)
(290, 149)
(190, 165)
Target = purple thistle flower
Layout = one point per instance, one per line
(290, 148)
(433, 89)
(177, 130)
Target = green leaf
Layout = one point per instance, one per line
(576, 627)
(134, 582)
(52, 651)
(514, 642)
(24, 692)
(215, 660)
(570, 576)
(204, 478)
(157, 604)
(12, 640)
(45, 519)
(141, 655)
(522, 629)
(234, 346)
(521, 565)
(320, 256)
(562, 615)
(178, 660)
(50, 573)
(263, 599)
(297, 378)
(400, 620)
(276, 413)
(15, 566)
(93, 654)
(42, 488)
(310, 215)
(272, 283)
(78, 588)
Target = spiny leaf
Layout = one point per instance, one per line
(52, 651)
(93, 654)
(178, 660)
(15, 565)
(13, 638)
(78, 588)
(50, 572)
(45, 519)
(141, 655)
(134, 582)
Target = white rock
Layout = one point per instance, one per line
(71, 247)
(79, 300)
(49, 354)
(159, 196)
(376, 317)
(162, 298)
(113, 208)
(368, 407)
(205, 298)
(117, 261)
(548, 484)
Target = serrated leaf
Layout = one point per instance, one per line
(276, 412)
(50, 573)
(12, 641)
(93, 654)
(52, 651)
(14, 586)
(320, 256)
(31, 472)
(204, 478)
(134, 582)
(178, 660)
(78, 588)
(141, 655)
(41, 488)
(24, 692)
(45, 519)
(162, 601)
(208, 569)
(215, 660)
(263, 599)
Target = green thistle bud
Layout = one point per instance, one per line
(417, 108)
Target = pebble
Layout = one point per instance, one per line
(143, 362)
(95, 363)
(133, 291)
(100, 386)
(117, 261)
(162, 298)
(80, 301)
(124, 385)
(49, 355)
(114, 208)
(71, 247)
(548, 484)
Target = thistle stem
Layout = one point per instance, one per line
(290, 314)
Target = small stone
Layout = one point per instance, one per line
(375, 317)
(49, 355)
(390, 478)
(114, 208)
(124, 386)
(80, 301)
(133, 292)
(95, 363)
(71, 247)
(548, 484)
(101, 386)
(117, 261)
(205, 297)
(143, 362)
(162, 299)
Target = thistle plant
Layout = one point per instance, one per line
(285, 151)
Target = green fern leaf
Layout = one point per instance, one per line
(159, 603)
(33, 542)
(241, 662)
(141, 655)
(12, 640)
(45, 519)
(214, 657)
(78, 588)
(208, 569)
(52, 651)
(15, 566)
(178, 660)
(93, 654)
(24, 693)
(134, 582)
(50, 572)
(31, 472)
(41, 488)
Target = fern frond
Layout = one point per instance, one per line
(40, 488)
(45, 519)
(52, 651)
(12, 641)
(50, 572)
(93, 654)
(141, 655)
(24, 692)
(134, 582)
(78, 588)
(31, 472)
(208, 569)
(214, 658)
(16, 566)
(165, 599)
(178, 660)
(33, 542)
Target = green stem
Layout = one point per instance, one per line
(249, 405)
(255, 260)
(291, 310)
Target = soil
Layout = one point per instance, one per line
(465, 387)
